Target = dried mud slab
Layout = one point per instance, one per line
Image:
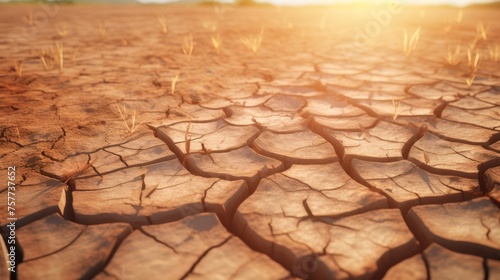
(446, 264)
(345, 123)
(196, 247)
(408, 185)
(383, 142)
(157, 193)
(141, 150)
(207, 137)
(188, 112)
(406, 107)
(443, 264)
(413, 268)
(492, 177)
(372, 91)
(355, 246)
(331, 106)
(470, 227)
(78, 250)
(301, 91)
(280, 122)
(43, 194)
(242, 163)
(4, 274)
(300, 147)
(299, 192)
(285, 103)
(487, 118)
(445, 157)
(450, 130)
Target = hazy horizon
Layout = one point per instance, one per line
(458, 3)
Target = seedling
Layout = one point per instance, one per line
(187, 46)
(216, 42)
(253, 42)
(18, 67)
(174, 82)
(494, 52)
(123, 114)
(409, 45)
(163, 24)
(453, 57)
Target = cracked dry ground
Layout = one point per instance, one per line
(310, 159)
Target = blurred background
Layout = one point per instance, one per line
(458, 3)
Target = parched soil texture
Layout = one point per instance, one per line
(201, 142)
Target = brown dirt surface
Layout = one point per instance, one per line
(200, 142)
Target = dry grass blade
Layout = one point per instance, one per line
(124, 116)
(62, 31)
(47, 59)
(17, 132)
(426, 158)
(28, 19)
(75, 54)
(253, 42)
(365, 132)
(174, 82)
(163, 24)
(60, 57)
(453, 57)
(410, 44)
(481, 31)
(216, 42)
(187, 46)
(18, 67)
(494, 52)
(473, 61)
(79, 171)
(187, 142)
(470, 80)
(396, 105)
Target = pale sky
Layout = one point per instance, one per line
(459, 3)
